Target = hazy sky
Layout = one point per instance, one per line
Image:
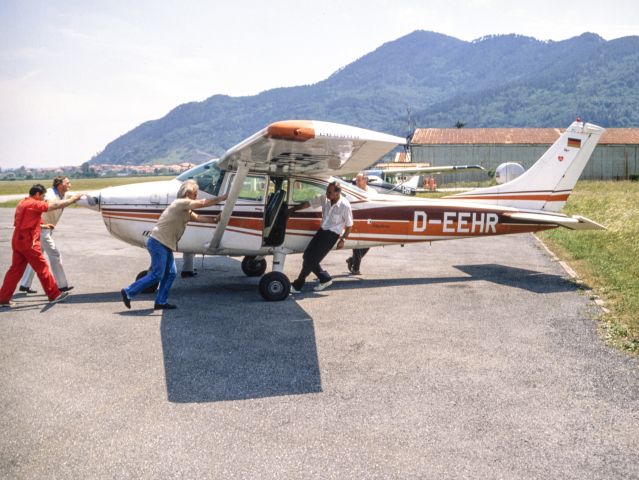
(76, 74)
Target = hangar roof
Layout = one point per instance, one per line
(516, 136)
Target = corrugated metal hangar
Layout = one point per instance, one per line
(615, 157)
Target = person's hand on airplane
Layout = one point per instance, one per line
(299, 206)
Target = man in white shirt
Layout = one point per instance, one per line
(50, 219)
(337, 217)
(354, 262)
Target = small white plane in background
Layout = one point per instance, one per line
(293, 161)
(408, 181)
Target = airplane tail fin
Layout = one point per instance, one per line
(548, 183)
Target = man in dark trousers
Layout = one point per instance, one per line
(337, 217)
(354, 262)
(26, 245)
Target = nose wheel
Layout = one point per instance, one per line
(275, 286)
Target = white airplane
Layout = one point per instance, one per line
(408, 181)
(289, 162)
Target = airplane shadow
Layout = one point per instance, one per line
(529, 280)
(233, 345)
(217, 351)
(521, 278)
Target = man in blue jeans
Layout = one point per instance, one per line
(164, 241)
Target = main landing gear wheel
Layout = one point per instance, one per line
(275, 286)
(253, 267)
(150, 289)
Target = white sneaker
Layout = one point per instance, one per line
(294, 290)
(60, 298)
(8, 304)
(321, 286)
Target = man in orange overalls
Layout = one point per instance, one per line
(26, 246)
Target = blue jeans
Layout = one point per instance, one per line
(162, 270)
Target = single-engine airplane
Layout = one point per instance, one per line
(408, 181)
(289, 162)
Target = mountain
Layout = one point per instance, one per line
(494, 81)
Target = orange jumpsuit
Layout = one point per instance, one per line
(27, 250)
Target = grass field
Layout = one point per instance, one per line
(606, 261)
(77, 184)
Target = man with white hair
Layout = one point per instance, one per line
(59, 191)
(354, 262)
(163, 241)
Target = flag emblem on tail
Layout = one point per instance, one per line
(574, 142)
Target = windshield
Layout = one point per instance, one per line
(208, 177)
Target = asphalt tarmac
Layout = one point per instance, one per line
(464, 359)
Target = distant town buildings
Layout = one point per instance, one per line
(98, 170)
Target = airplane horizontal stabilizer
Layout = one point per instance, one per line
(576, 222)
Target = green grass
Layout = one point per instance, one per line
(606, 261)
(77, 184)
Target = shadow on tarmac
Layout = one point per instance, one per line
(269, 349)
(530, 280)
(225, 343)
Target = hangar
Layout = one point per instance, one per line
(615, 158)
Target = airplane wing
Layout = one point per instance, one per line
(309, 147)
(299, 146)
(441, 169)
(576, 222)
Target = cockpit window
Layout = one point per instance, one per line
(208, 177)
(303, 191)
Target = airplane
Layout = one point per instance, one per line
(394, 181)
(289, 162)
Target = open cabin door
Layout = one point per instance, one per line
(259, 215)
(275, 213)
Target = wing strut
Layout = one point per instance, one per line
(229, 205)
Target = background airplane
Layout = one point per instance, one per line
(408, 181)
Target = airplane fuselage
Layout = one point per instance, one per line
(130, 212)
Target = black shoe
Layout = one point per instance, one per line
(60, 298)
(125, 299)
(28, 290)
(164, 306)
(188, 274)
(355, 272)
(66, 289)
